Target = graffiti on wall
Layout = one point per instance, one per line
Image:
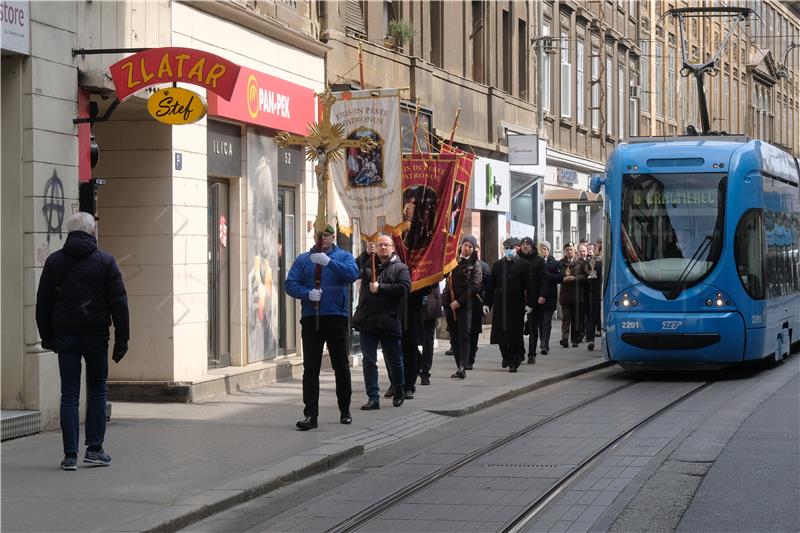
(53, 207)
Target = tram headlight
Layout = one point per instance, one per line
(719, 301)
(627, 301)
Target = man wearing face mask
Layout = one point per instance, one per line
(507, 291)
(463, 284)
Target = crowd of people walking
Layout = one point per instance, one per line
(518, 295)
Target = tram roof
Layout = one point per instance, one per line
(691, 139)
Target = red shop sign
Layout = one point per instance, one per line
(172, 64)
(265, 100)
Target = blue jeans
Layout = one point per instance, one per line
(393, 356)
(95, 351)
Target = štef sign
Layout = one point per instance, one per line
(268, 101)
(172, 64)
(176, 106)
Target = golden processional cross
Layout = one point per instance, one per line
(323, 144)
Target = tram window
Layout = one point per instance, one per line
(783, 251)
(606, 248)
(749, 251)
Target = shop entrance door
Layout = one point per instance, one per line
(219, 353)
(287, 251)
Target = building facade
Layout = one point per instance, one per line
(204, 219)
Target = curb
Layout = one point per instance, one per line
(489, 399)
(182, 514)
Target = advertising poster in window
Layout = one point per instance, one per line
(262, 248)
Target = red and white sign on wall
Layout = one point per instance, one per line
(265, 100)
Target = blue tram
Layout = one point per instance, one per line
(702, 252)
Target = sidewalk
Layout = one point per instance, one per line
(177, 463)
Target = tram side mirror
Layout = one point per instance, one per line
(596, 183)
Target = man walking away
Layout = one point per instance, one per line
(476, 327)
(527, 252)
(378, 318)
(506, 292)
(433, 312)
(462, 285)
(413, 332)
(81, 293)
(324, 320)
(549, 293)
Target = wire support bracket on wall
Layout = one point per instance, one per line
(99, 51)
(93, 111)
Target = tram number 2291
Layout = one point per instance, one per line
(630, 324)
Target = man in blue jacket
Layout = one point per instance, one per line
(325, 312)
(80, 293)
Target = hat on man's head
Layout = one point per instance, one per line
(526, 240)
(510, 242)
(329, 229)
(470, 239)
(545, 244)
(568, 244)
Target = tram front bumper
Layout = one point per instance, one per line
(659, 338)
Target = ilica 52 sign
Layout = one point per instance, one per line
(176, 106)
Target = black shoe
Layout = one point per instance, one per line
(456, 374)
(307, 423)
(346, 419)
(389, 392)
(398, 400)
(97, 457)
(512, 369)
(531, 359)
(449, 352)
(574, 344)
(370, 405)
(69, 463)
(543, 352)
(591, 346)
(564, 343)
(504, 364)
(462, 373)
(424, 380)
(409, 394)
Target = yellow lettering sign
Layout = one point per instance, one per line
(176, 106)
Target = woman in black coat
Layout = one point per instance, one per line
(554, 273)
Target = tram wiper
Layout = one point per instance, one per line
(705, 244)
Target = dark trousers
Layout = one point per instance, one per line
(426, 359)
(476, 328)
(335, 331)
(572, 322)
(533, 330)
(411, 357)
(95, 351)
(513, 354)
(545, 327)
(459, 327)
(593, 312)
(392, 357)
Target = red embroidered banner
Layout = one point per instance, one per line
(435, 192)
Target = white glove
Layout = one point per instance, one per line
(320, 258)
(485, 310)
(315, 295)
(528, 309)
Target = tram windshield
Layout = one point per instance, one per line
(672, 226)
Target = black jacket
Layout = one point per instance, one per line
(537, 274)
(382, 313)
(81, 292)
(464, 283)
(572, 289)
(506, 294)
(554, 273)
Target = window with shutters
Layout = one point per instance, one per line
(437, 31)
(522, 59)
(672, 89)
(546, 69)
(579, 90)
(609, 96)
(595, 88)
(354, 19)
(659, 88)
(621, 97)
(566, 76)
(478, 38)
(645, 60)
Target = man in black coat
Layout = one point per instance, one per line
(527, 252)
(571, 296)
(548, 296)
(413, 337)
(477, 318)
(81, 293)
(509, 283)
(593, 295)
(378, 318)
(432, 312)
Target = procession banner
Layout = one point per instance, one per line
(459, 201)
(367, 185)
(433, 207)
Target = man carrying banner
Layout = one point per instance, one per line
(458, 301)
(385, 282)
(509, 283)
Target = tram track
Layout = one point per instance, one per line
(518, 523)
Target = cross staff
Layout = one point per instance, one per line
(323, 144)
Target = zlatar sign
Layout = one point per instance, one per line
(176, 106)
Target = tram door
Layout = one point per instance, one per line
(219, 353)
